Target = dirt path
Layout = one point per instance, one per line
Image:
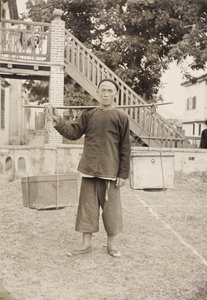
(164, 253)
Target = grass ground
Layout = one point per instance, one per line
(164, 253)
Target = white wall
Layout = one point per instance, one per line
(65, 158)
(193, 119)
(5, 7)
(197, 90)
(4, 134)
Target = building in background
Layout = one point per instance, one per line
(9, 9)
(18, 125)
(10, 99)
(195, 100)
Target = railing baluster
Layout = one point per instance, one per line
(72, 52)
(132, 109)
(25, 40)
(78, 56)
(87, 65)
(90, 70)
(83, 62)
(94, 70)
(121, 96)
(145, 119)
(158, 129)
(98, 73)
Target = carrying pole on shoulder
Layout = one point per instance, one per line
(89, 107)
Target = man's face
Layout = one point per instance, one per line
(107, 93)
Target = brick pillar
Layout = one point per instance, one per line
(56, 89)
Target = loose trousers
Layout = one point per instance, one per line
(96, 193)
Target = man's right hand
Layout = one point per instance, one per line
(53, 114)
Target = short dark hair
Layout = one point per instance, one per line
(110, 80)
(206, 122)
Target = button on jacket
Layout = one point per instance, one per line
(106, 152)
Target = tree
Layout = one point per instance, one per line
(78, 15)
(38, 90)
(144, 36)
(150, 34)
(73, 94)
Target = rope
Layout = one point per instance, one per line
(30, 166)
(153, 110)
(150, 119)
(48, 116)
(162, 168)
(58, 182)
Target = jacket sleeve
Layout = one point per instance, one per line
(124, 149)
(74, 130)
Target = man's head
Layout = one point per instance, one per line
(110, 80)
(107, 90)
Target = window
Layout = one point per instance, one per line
(3, 14)
(191, 103)
(199, 129)
(2, 117)
(193, 129)
(194, 103)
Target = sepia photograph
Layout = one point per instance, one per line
(103, 150)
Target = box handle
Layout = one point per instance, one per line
(57, 184)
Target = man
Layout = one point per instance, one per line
(204, 137)
(104, 166)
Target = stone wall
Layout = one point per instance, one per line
(33, 161)
(185, 160)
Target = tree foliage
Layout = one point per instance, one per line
(144, 36)
(75, 95)
(38, 90)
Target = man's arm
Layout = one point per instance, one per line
(124, 149)
(70, 131)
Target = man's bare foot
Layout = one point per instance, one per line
(114, 253)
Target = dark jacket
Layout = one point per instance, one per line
(106, 151)
(204, 139)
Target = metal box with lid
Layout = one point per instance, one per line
(49, 191)
(152, 170)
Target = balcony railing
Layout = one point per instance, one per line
(25, 40)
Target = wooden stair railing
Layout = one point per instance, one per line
(86, 69)
(18, 43)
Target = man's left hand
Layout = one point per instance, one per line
(120, 182)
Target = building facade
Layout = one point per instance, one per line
(195, 107)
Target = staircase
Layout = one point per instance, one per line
(146, 125)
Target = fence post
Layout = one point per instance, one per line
(56, 87)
